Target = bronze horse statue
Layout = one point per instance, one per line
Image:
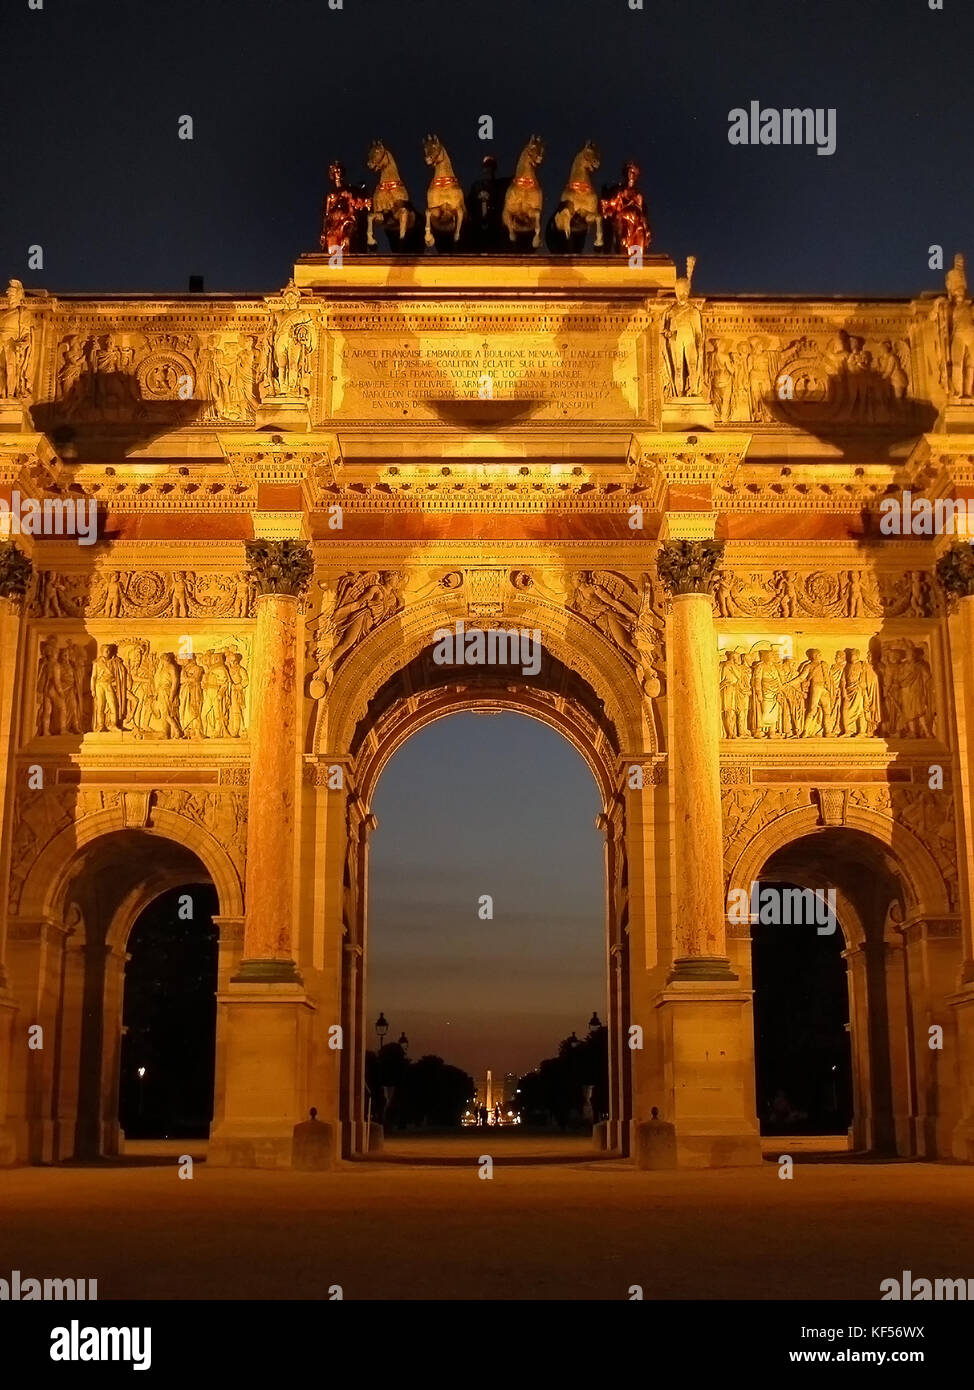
(390, 202)
(522, 202)
(579, 207)
(445, 205)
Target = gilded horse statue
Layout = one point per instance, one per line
(445, 206)
(390, 202)
(579, 207)
(522, 202)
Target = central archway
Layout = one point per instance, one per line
(417, 694)
(486, 942)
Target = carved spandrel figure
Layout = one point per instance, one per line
(109, 690)
(683, 339)
(16, 344)
(624, 207)
(362, 602)
(340, 213)
(596, 601)
(292, 345)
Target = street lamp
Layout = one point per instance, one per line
(403, 1042)
(381, 1029)
(594, 1021)
(141, 1089)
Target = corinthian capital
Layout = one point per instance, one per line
(15, 571)
(955, 570)
(688, 567)
(279, 567)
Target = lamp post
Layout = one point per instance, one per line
(381, 1029)
(403, 1043)
(594, 1022)
(141, 1090)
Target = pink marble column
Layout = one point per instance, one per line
(268, 949)
(694, 702)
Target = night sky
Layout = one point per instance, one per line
(93, 172)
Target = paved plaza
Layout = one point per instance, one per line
(433, 1229)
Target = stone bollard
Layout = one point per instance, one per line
(655, 1145)
(313, 1147)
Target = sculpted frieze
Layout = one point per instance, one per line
(125, 688)
(143, 594)
(854, 593)
(887, 690)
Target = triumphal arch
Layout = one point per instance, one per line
(298, 493)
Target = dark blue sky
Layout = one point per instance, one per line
(94, 172)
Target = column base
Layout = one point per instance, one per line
(268, 1084)
(360, 1139)
(707, 1047)
(962, 1135)
(702, 968)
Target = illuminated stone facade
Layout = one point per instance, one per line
(509, 442)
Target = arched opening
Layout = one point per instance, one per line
(111, 884)
(169, 1017)
(802, 1055)
(486, 940)
(829, 964)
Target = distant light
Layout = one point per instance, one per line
(142, 1071)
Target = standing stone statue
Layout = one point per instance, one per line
(683, 339)
(16, 344)
(293, 339)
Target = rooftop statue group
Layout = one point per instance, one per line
(495, 214)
